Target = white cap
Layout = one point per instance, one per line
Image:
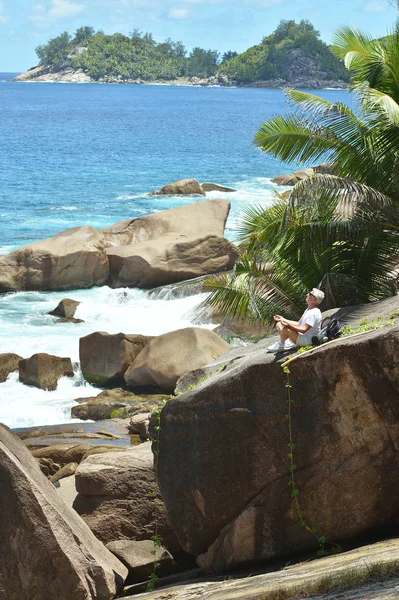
(318, 294)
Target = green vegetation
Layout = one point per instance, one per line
(273, 58)
(325, 546)
(338, 232)
(139, 56)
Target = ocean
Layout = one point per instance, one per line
(89, 154)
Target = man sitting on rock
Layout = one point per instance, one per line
(299, 333)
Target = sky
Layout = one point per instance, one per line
(216, 24)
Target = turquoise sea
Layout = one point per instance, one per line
(89, 154)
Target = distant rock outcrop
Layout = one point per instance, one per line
(46, 550)
(184, 187)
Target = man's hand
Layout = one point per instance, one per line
(277, 317)
(283, 322)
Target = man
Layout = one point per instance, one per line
(300, 333)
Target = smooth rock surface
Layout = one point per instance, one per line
(313, 579)
(46, 550)
(74, 258)
(44, 370)
(9, 362)
(168, 356)
(113, 497)
(200, 219)
(168, 259)
(105, 357)
(224, 473)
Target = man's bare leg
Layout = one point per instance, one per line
(286, 333)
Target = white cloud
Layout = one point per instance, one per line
(3, 16)
(374, 6)
(62, 8)
(44, 16)
(178, 13)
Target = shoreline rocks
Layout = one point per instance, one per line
(160, 248)
(44, 370)
(69, 75)
(9, 362)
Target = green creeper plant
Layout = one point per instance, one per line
(325, 546)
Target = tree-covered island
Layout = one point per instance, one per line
(292, 55)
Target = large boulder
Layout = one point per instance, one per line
(168, 259)
(46, 550)
(200, 219)
(115, 497)
(105, 357)
(44, 370)
(224, 472)
(167, 357)
(9, 362)
(74, 258)
(183, 187)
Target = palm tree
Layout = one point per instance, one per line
(338, 231)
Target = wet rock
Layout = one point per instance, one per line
(105, 357)
(183, 187)
(65, 309)
(44, 370)
(9, 363)
(215, 187)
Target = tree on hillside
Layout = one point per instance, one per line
(202, 63)
(228, 56)
(82, 35)
(55, 52)
(340, 231)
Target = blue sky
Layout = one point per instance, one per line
(216, 24)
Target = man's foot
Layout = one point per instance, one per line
(289, 345)
(276, 347)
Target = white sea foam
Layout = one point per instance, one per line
(27, 328)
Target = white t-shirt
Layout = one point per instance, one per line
(312, 317)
